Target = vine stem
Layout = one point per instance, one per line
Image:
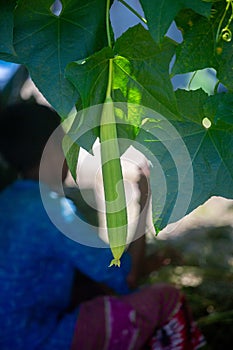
(110, 74)
(108, 24)
(133, 11)
(229, 2)
(216, 87)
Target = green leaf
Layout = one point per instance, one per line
(224, 49)
(181, 183)
(155, 140)
(211, 150)
(46, 43)
(6, 30)
(190, 104)
(85, 127)
(141, 70)
(160, 14)
(200, 48)
(140, 76)
(197, 50)
(220, 108)
(225, 63)
(90, 77)
(71, 151)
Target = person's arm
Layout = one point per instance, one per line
(138, 246)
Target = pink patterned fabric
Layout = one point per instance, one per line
(153, 318)
(179, 333)
(105, 323)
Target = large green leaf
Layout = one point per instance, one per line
(140, 76)
(141, 72)
(46, 43)
(6, 30)
(160, 14)
(194, 163)
(201, 48)
(220, 108)
(211, 151)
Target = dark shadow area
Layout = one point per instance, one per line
(200, 262)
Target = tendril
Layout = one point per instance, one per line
(191, 80)
(225, 33)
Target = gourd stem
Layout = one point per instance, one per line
(110, 76)
(191, 80)
(133, 11)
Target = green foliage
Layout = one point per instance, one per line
(6, 33)
(68, 59)
(208, 147)
(46, 43)
(201, 48)
(160, 14)
(142, 68)
(71, 151)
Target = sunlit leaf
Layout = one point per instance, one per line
(143, 67)
(140, 76)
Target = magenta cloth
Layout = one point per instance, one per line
(127, 322)
(122, 328)
(155, 317)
